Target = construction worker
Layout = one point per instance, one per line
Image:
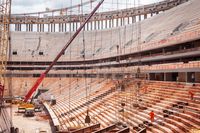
(191, 93)
(145, 89)
(151, 114)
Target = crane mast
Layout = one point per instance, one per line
(5, 10)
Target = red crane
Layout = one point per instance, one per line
(42, 76)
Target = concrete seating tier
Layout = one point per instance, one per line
(174, 110)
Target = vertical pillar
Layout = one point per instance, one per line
(43, 27)
(27, 27)
(65, 27)
(139, 17)
(48, 27)
(76, 26)
(87, 25)
(121, 22)
(98, 22)
(91, 25)
(73, 26)
(145, 16)
(128, 20)
(51, 25)
(37, 27)
(106, 24)
(95, 25)
(112, 23)
(133, 19)
(102, 24)
(20, 27)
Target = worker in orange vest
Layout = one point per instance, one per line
(191, 93)
(151, 114)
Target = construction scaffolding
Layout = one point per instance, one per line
(5, 10)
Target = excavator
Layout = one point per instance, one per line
(27, 104)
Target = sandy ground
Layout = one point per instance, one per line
(29, 124)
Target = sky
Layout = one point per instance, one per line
(27, 6)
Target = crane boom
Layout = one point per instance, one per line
(42, 76)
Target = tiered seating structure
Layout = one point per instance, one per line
(174, 111)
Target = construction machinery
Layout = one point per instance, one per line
(26, 102)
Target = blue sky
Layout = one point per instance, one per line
(25, 6)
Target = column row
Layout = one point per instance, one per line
(93, 25)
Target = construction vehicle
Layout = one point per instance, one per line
(25, 105)
(29, 112)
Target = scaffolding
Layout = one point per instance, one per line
(5, 10)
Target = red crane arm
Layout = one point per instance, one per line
(42, 76)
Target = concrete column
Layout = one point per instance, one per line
(95, 25)
(59, 25)
(112, 23)
(76, 26)
(37, 27)
(62, 25)
(128, 20)
(106, 23)
(133, 19)
(20, 27)
(117, 22)
(51, 27)
(70, 27)
(15, 27)
(121, 21)
(145, 16)
(65, 27)
(91, 25)
(102, 24)
(48, 27)
(54, 27)
(98, 25)
(73, 26)
(87, 25)
(139, 17)
(27, 27)
(30, 27)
